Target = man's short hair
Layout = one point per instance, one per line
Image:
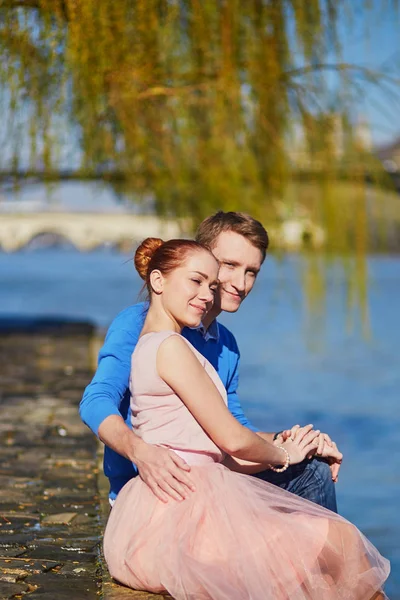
(238, 222)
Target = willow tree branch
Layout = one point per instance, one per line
(32, 5)
(19, 4)
(369, 73)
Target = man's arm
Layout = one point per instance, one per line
(103, 396)
(163, 470)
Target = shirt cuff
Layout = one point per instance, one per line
(98, 417)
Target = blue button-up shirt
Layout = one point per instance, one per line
(212, 333)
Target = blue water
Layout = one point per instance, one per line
(295, 368)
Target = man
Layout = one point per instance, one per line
(239, 243)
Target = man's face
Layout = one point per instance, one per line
(240, 263)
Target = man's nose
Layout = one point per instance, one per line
(239, 281)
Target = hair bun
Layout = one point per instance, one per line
(144, 254)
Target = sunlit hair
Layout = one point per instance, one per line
(240, 223)
(154, 254)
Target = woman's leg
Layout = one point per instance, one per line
(344, 548)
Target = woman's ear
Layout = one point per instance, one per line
(157, 281)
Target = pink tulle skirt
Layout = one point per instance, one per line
(238, 538)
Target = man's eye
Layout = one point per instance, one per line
(228, 264)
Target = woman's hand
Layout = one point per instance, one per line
(326, 449)
(303, 443)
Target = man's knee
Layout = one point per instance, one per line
(323, 475)
(322, 471)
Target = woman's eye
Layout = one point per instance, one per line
(213, 290)
(197, 281)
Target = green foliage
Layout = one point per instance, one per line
(195, 103)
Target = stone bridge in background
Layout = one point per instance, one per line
(85, 231)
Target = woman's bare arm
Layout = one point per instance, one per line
(243, 466)
(181, 370)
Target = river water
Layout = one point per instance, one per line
(343, 382)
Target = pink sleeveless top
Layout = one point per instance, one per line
(158, 415)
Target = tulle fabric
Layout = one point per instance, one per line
(238, 538)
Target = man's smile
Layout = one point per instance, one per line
(234, 294)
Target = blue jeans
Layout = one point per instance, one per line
(310, 479)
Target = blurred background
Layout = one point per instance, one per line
(141, 117)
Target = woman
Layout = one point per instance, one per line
(236, 537)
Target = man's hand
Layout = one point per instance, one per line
(164, 472)
(285, 435)
(327, 449)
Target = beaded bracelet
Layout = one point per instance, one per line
(287, 462)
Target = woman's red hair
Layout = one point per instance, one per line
(154, 254)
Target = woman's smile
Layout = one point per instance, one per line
(201, 308)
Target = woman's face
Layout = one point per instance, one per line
(188, 291)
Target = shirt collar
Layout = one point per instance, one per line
(212, 333)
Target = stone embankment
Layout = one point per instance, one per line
(53, 497)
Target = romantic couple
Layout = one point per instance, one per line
(221, 511)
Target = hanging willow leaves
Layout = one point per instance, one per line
(196, 104)
(191, 101)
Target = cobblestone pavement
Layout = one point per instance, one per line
(51, 513)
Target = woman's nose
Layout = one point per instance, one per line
(207, 295)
